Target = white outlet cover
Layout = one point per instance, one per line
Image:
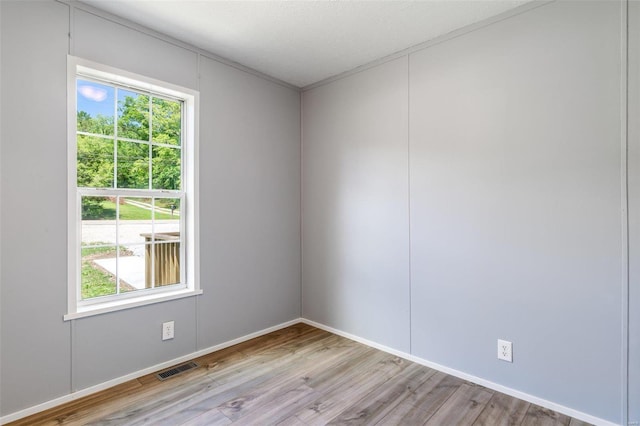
(167, 330)
(505, 350)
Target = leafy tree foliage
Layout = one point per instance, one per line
(96, 156)
(166, 168)
(99, 125)
(166, 121)
(133, 165)
(95, 162)
(133, 117)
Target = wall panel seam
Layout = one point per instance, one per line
(301, 203)
(624, 163)
(408, 62)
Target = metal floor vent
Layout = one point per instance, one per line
(174, 371)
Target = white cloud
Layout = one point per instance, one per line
(93, 93)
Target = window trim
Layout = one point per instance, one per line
(77, 67)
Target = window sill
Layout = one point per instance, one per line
(118, 305)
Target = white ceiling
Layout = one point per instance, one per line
(303, 42)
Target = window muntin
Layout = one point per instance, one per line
(132, 196)
(129, 244)
(133, 143)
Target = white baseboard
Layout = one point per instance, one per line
(462, 375)
(111, 383)
(486, 383)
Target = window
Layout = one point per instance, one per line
(132, 202)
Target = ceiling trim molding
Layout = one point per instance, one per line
(176, 42)
(440, 39)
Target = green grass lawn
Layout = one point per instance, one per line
(95, 281)
(130, 212)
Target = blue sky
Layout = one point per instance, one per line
(95, 98)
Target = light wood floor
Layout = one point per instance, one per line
(300, 376)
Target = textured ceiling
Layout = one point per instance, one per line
(303, 42)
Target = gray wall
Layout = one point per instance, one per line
(355, 205)
(634, 211)
(516, 207)
(249, 207)
(251, 244)
(515, 204)
(35, 341)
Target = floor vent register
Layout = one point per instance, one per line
(174, 371)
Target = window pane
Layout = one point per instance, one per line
(133, 165)
(134, 224)
(98, 272)
(95, 107)
(166, 214)
(166, 168)
(167, 259)
(98, 221)
(166, 121)
(133, 115)
(130, 145)
(95, 162)
(133, 273)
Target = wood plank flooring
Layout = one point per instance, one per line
(296, 376)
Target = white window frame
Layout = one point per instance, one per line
(77, 308)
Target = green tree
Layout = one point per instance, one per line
(166, 167)
(133, 117)
(166, 121)
(95, 162)
(96, 155)
(133, 165)
(100, 124)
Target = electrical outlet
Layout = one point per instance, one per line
(505, 350)
(167, 330)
